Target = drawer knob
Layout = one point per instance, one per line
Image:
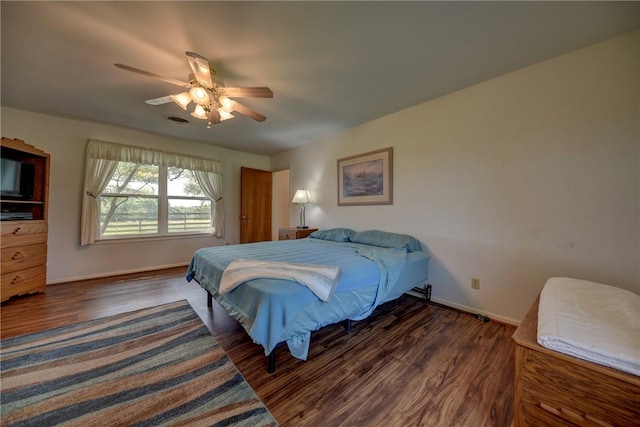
(17, 230)
(16, 279)
(18, 255)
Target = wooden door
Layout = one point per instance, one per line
(255, 205)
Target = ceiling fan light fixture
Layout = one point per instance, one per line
(208, 92)
(225, 115)
(199, 95)
(227, 104)
(200, 113)
(182, 99)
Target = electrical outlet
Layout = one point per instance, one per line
(475, 283)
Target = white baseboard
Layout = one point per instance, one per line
(116, 273)
(472, 310)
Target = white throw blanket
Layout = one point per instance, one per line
(320, 279)
(595, 322)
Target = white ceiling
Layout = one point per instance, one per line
(331, 65)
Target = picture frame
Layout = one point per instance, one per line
(366, 179)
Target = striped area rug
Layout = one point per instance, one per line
(153, 367)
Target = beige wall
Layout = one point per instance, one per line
(66, 141)
(527, 176)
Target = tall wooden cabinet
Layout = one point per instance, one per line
(23, 229)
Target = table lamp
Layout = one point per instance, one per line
(301, 197)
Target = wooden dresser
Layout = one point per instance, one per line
(555, 389)
(292, 233)
(23, 230)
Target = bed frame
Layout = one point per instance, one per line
(271, 357)
(555, 389)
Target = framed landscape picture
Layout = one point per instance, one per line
(366, 179)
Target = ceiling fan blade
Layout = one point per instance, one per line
(217, 79)
(214, 116)
(152, 75)
(248, 92)
(246, 111)
(201, 69)
(158, 101)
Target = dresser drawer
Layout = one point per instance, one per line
(25, 281)
(287, 234)
(21, 257)
(22, 233)
(558, 393)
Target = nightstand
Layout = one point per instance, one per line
(292, 233)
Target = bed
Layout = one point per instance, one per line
(375, 267)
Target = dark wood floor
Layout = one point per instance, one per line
(409, 364)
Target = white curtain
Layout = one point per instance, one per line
(102, 160)
(128, 153)
(211, 184)
(97, 175)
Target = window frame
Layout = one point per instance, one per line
(162, 199)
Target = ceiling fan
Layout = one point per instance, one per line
(208, 92)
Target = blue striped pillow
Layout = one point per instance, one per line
(386, 239)
(334, 234)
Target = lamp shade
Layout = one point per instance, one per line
(200, 113)
(225, 115)
(227, 104)
(301, 196)
(199, 95)
(182, 99)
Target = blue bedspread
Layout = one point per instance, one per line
(273, 311)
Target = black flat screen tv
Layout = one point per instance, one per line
(16, 179)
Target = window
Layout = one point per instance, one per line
(129, 204)
(189, 210)
(135, 202)
(132, 192)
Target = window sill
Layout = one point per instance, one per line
(131, 239)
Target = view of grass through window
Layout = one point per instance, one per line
(153, 200)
